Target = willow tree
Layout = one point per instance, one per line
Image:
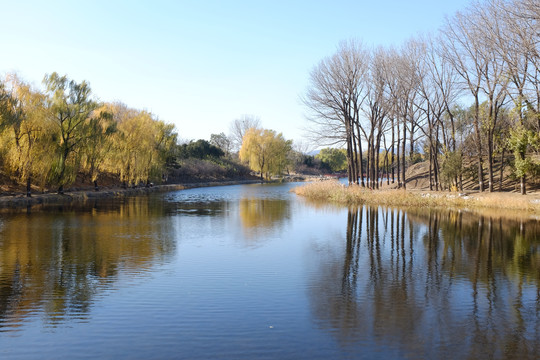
(98, 141)
(265, 151)
(334, 99)
(70, 105)
(132, 146)
(24, 123)
(142, 145)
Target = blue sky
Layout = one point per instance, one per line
(201, 64)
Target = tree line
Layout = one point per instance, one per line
(50, 137)
(470, 91)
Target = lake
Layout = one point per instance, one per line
(255, 272)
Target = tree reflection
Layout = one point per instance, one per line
(60, 261)
(261, 215)
(433, 284)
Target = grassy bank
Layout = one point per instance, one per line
(335, 192)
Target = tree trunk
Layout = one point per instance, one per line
(398, 154)
(431, 168)
(403, 154)
(479, 145)
(350, 168)
(96, 187)
(355, 155)
(386, 168)
(393, 173)
(368, 165)
(63, 160)
(490, 161)
(436, 168)
(377, 170)
(522, 180)
(431, 162)
(436, 176)
(374, 181)
(28, 186)
(361, 162)
(502, 170)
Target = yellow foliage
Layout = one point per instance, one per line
(265, 151)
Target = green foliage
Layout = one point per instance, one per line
(62, 172)
(519, 141)
(221, 141)
(208, 170)
(452, 167)
(200, 149)
(471, 172)
(415, 158)
(334, 159)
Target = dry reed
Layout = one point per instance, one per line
(335, 192)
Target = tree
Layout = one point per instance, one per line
(200, 149)
(406, 95)
(142, 145)
(451, 169)
(334, 100)
(334, 159)
(515, 39)
(221, 141)
(24, 116)
(239, 128)
(461, 48)
(520, 139)
(265, 151)
(99, 130)
(70, 105)
(376, 107)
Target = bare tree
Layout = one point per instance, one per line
(494, 75)
(515, 37)
(438, 92)
(488, 53)
(334, 99)
(529, 9)
(376, 108)
(240, 126)
(402, 86)
(460, 44)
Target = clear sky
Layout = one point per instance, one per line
(202, 64)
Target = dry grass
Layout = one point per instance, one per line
(335, 192)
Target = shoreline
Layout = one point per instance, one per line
(504, 204)
(21, 201)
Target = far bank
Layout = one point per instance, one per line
(21, 201)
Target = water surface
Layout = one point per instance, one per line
(253, 272)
